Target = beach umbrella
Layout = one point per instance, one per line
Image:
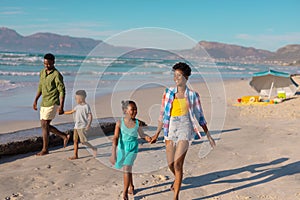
(270, 83)
(296, 78)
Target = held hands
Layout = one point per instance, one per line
(211, 141)
(60, 110)
(154, 138)
(87, 128)
(148, 139)
(112, 159)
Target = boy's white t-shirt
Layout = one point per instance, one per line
(81, 115)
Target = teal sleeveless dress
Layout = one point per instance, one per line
(127, 145)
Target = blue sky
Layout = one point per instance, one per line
(265, 24)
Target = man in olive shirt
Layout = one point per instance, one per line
(52, 89)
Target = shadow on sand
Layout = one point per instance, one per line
(260, 176)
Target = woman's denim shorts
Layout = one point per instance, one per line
(180, 128)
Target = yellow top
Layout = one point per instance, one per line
(179, 108)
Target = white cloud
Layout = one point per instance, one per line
(243, 36)
(82, 24)
(78, 29)
(290, 37)
(10, 11)
(87, 33)
(270, 41)
(153, 37)
(89, 29)
(270, 30)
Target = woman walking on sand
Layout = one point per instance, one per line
(180, 106)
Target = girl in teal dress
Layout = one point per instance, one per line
(125, 144)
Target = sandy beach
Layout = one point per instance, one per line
(257, 155)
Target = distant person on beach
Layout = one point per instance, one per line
(52, 89)
(125, 144)
(181, 113)
(83, 121)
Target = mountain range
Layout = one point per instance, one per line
(11, 41)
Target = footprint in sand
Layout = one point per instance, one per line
(145, 182)
(71, 185)
(15, 196)
(160, 178)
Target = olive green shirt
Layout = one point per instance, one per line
(51, 86)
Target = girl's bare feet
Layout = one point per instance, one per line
(125, 196)
(73, 158)
(131, 190)
(42, 153)
(172, 187)
(66, 140)
(95, 152)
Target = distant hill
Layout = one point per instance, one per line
(234, 52)
(10, 40)
(289, 54)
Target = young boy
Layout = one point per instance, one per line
(83, 120)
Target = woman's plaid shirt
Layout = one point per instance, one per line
(194, 105)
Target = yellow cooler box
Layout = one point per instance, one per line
(281, 94)
(250, 99)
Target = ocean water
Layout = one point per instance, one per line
(19, 76)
